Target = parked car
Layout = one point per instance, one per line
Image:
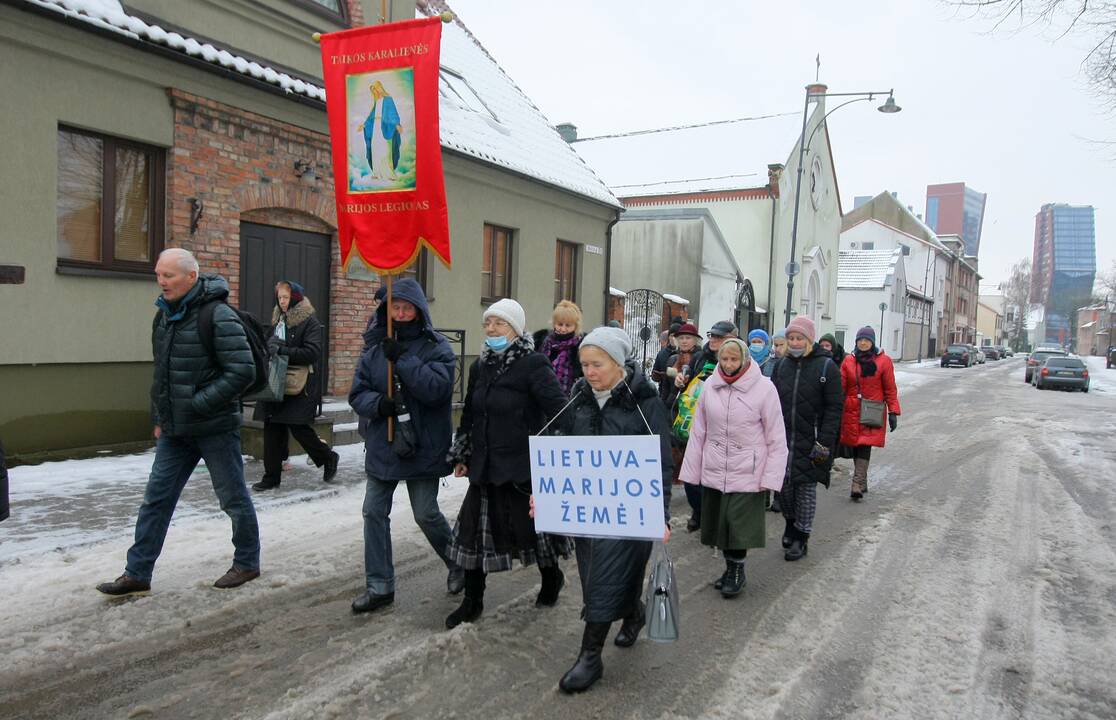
(1067, 373)
(958, 354)
(1037, 358)
(1007, 351)
(1110, 358)
(991, 352)
(978, 354)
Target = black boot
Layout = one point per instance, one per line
(788, 533)
(629, 629)
(331, 467)
(720, 582)
(798, 546)
(734, 579)
(473, 604)
(552, 583)
(775, 505)
(588, 668)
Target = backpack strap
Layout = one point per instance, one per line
(205, 328)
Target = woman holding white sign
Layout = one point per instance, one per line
(613, 398)
(737, 451)
(512, 391)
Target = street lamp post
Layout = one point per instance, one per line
(888, 107)
(883, 308)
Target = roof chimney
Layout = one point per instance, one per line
(568, 131)
(774, 172)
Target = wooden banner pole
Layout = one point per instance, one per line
(390, 369)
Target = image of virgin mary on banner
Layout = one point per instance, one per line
(382, 101)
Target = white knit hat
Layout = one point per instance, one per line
(613, 341)
(510, 312)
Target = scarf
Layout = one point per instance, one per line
(730, 379)
(867, 360)
(557, 349)
(602, 396)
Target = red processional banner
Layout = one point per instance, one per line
(381, 87)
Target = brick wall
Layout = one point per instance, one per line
(356, 13)
(241, 166)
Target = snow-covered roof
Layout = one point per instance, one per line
(675, 299)
(483, 113)
(866, 269)
(110, 15)
(506, 129)
(615, 292)
(711, 158)
(681, 187)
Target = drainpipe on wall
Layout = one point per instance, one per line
(608, 264)
(771, 261)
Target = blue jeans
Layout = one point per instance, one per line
(175, 460)
(379, 571)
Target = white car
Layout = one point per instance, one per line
(979, 355)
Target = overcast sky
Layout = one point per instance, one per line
(1006, 112)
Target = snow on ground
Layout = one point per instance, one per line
(72, 523)
(1101, 379)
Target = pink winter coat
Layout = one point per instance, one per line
(737, 441)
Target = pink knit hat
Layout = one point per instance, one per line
(804, 325)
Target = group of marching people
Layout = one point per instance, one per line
(735, 419)
(767, 416)
(560, 380)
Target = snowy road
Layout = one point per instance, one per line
(977, 580)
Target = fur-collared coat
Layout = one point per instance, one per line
(303, 347)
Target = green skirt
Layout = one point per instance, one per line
(733, 521)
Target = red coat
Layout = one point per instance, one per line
(880, 386)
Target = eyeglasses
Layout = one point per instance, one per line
(496, 323)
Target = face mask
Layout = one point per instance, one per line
(496, 343)
(796, 352)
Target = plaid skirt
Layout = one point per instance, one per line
(494, 528)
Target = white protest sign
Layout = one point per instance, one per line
(599, 486)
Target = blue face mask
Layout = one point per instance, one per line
(496, 343)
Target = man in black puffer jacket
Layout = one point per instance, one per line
(196, 414)
(809, 385)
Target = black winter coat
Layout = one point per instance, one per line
(425, 370)
(700, 359)
(812, 400)
(190, 395)
(612, 571)
(510, 397)
(303, 347)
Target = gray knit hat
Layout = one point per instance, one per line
(613, 341)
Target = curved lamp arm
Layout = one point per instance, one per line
(826, 116)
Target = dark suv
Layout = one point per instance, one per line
(991, 352)
(1037, 358)
(958, 354)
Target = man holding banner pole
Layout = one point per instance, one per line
(607, 480)
(381, 84)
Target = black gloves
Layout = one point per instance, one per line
(387, 407)
(276, 345)
(893, 421)
(392, 348)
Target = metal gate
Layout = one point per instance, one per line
(643, 318)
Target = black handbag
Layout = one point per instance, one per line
(873, 413)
